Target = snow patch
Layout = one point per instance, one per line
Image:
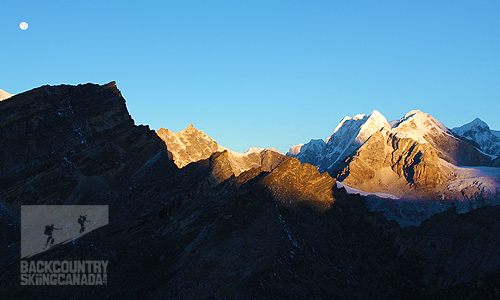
(294, 150)
(351, 190)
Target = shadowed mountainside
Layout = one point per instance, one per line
(57, 140)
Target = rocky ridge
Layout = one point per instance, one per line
(57, 141)
(192, 145)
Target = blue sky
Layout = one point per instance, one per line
(263, 73)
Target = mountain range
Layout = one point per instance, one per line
(414, 158)
(190, 219)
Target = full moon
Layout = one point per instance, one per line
(23, 25)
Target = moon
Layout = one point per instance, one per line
(23, 25)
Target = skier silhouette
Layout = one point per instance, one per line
(49, 230)
(81, 221)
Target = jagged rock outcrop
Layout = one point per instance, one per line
(189, 145)
(192, 145)
(57, 138)
(221, 168)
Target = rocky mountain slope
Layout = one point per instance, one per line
(282, 230)
(423, 128)
(59, 141)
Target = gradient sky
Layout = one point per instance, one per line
(263, 73)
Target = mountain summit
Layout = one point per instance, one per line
(349, 135)
(4, 95)
(479, 132)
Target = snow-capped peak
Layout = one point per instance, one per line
(476, 123)
(352, 133)
(374, 122)
(345, 119)
(479, 123)
(308, 153)
(376, 114)
(246, 153)
(295, 150)
(275, 150)
(359, 117)
(411, 113)
(417, 124)
(358, 121)
(4, 95)
(480, 132)
(314, 145)
(254, 150)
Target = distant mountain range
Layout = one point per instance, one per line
(414, 158)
